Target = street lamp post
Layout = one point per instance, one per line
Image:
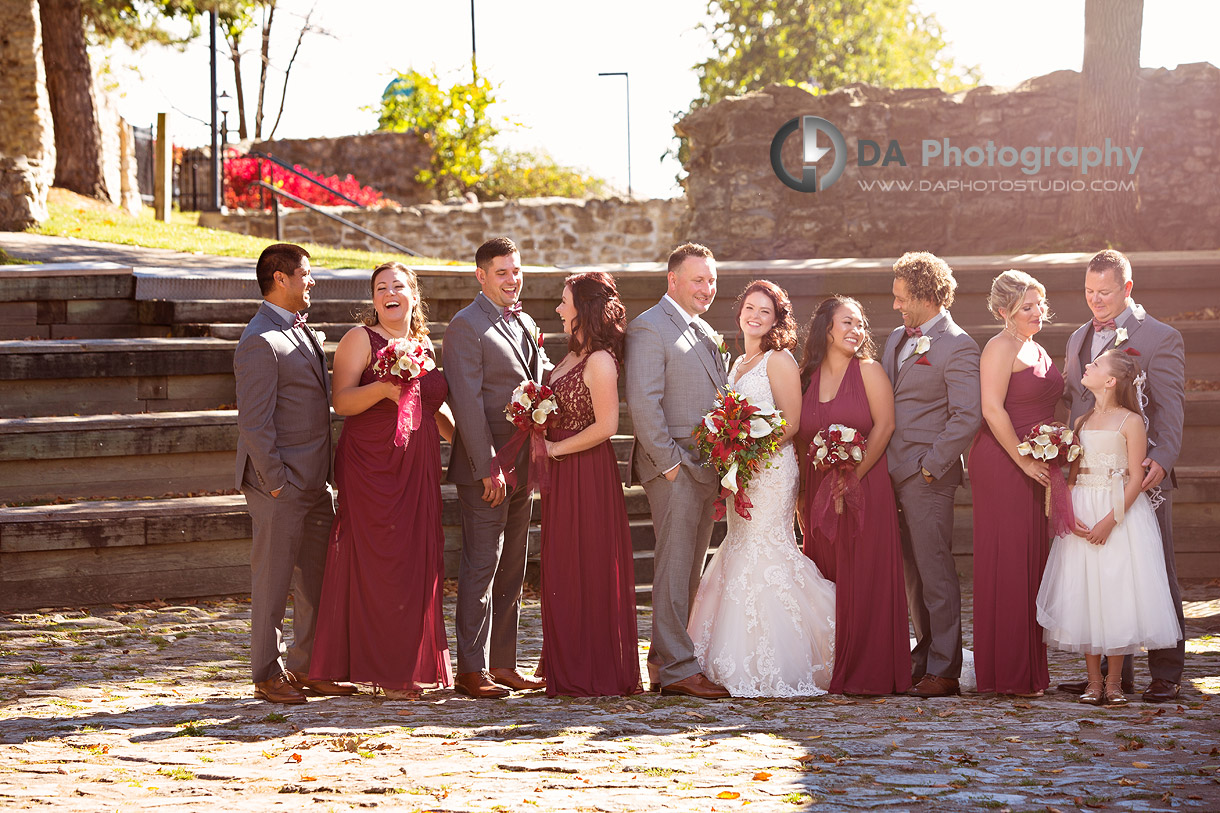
(628, 79)
(217, 201)
(224, 104)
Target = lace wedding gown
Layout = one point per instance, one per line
(763, 619)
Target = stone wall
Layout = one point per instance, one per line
(550, 231)
(27, 135)
(388, 162)
(740, 208)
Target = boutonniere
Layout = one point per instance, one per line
(722, 347)
(536, 334)
(922, 345)
(1120, 336)
(321, 336)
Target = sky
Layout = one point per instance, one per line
(545, 57)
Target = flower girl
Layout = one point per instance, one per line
(1104, 590)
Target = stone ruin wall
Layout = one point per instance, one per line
(550, 231)
(387, 162)
(27, 135)
(739, 207)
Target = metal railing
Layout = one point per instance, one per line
(284, 165)
(275, 207)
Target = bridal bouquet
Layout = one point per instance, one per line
(406, 360)
(1056, 444)
(529, 409)
(836, 451)
(738, 439)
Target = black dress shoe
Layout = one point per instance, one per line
(1160, 691)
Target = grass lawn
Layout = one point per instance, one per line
(73, 215)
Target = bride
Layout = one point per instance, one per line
(763, 619)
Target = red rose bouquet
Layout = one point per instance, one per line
(836, 451)
(1056, 444)
(738, 439)
(405, 360)
(529, 409)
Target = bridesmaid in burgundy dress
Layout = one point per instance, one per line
(380, 619)
(1020, 387)
(589, 646)
(843, 384)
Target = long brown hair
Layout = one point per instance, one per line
(1124, 368)
(419, 313)
(601, 319)
(782, 335)
(817, 342)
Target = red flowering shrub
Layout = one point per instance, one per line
(243, 172)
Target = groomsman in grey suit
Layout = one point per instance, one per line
(1162, 356)
(674, 369)
(283, 467)
(490, 347)
(934, 366)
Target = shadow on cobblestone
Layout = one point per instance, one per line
(149, 706)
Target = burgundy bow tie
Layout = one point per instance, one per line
(913, 331)
(512, 310)
(300, 320)
(1109, 324)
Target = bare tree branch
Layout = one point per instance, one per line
(306, 27)
(268, 19)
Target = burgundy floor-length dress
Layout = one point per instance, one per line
(380, 619)
(1011, 542)
(872, 647)
(589, 644)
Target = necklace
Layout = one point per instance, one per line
(1016, 335)
(748, 359)
(1101, 411)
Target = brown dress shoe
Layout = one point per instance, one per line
(515, 680)
(480, 685)
(1160, 691)
(279, 689)
(697, 685)
(325, 688)
(934, 686)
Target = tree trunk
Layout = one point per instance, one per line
(1108, 108)
(240, 99)
(78, 135)
(265, 51)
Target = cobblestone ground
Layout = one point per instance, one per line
(149, 707)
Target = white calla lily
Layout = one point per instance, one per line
(729, 480)
(759, 428)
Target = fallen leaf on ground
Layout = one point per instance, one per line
(294, 757)
(761, 776)
(1143, 764)
(728, 794)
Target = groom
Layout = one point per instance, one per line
(674, 371)
(934, 366)
(490, 347)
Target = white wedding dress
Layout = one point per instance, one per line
(763, 619)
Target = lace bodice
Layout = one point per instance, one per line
(1104, 451)
(575, 400)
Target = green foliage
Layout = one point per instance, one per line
(824, 44)
(512, 174)
(453, 121)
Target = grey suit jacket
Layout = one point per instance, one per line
(483, 364)
(1162, 355)
(672, 380)
(283, 406)
(937, 405)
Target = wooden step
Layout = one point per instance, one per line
(134, 456)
